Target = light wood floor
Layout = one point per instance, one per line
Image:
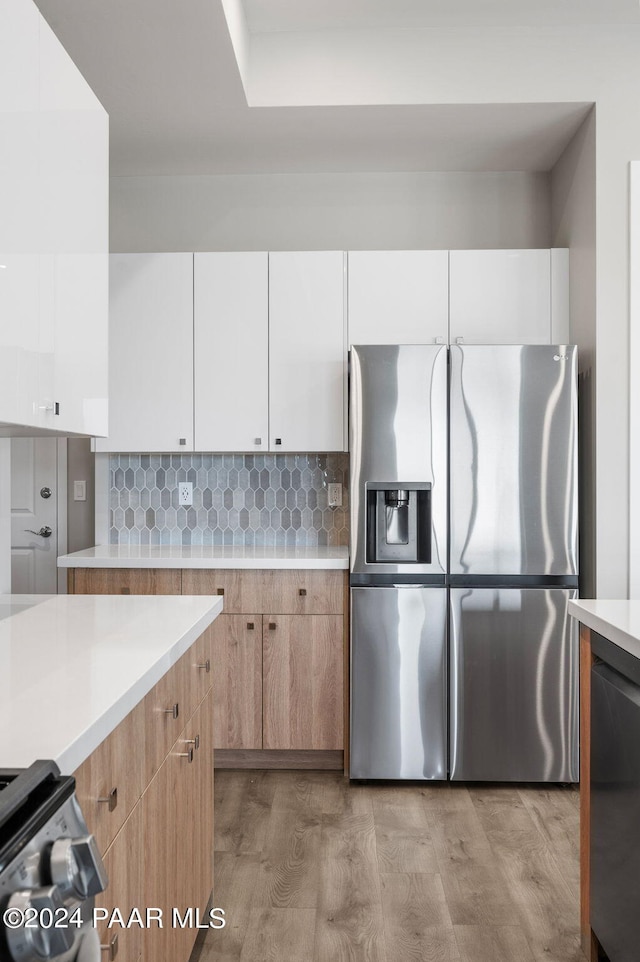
(311, 868)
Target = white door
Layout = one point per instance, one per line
(34, 499)
(398, 297)
(500, 297)
(231, 351)
(150, 353)
(307, 351)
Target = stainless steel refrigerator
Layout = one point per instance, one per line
(464, 662)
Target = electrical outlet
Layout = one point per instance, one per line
(185, 493)
(335, 494)
(79, 490)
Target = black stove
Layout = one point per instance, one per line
(49, 867)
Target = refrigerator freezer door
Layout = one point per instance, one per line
(513, 685)
(514, 500)
(398, 433)
(398, 683)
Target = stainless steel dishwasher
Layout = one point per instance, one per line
(615, 812)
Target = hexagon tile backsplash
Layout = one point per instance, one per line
(238, 499)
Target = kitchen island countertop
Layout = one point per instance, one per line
(205, 556)
(617, 620)
(73, 666)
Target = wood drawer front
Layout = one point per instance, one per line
(303, 591)
(288, 592)
(124, 864)
(243, 589)
(198, 671)
(127, 581)
(303, 681)
(161, 728)
(112, 779)
(237, 681)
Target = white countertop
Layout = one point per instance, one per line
(204, 556)
(73, 666)
(619, 621)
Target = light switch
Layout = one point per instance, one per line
(79, 490)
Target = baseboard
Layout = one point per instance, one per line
(263, 758)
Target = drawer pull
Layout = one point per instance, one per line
(272, 626)
(111, 799)
(125, 591)
(173, 711)
(250, 625)
(193, 741)
(302, 592)
(188, 755)
(206, 667)
(219, 591)
(111, 948)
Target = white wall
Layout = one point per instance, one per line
(573, 225)
(530, 64)
(330, 211)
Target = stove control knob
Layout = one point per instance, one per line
(77, 868)
(39, 939)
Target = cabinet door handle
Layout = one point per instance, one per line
(257, 440)
(111, 948)
(188, 755)
(219, 591)
(272, 626)
(250, 625)
(125, 591)
(302, 592)
(173, 711)
(111, 799)
(193, 741)
(182, 440)
(206, 667)
(278, 440)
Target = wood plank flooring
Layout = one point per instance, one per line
(311, 868)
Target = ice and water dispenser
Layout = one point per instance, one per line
(398, 522)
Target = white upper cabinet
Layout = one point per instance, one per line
(307, 356)
(150, 353)
(19, 213)
(53, 234)
(231, 338)
(398, 297)
(74, 177)
(500, 297)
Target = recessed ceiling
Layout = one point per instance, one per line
(166, 73)
(267, 16)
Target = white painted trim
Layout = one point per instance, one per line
(102, 499)
(634, 381)
(560, 331)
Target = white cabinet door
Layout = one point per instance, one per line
(150, 353)
(19, 213)
(231, 341)
(398, 297)
(74, 178)
(307, 355)
(500, 297)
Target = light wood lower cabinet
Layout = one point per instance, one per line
(275, 689)
(302, 682)
(237, 681)
(157, 841)
(124, 581)
(177, 811)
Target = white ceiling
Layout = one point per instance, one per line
(166, 73)
(266, 16)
